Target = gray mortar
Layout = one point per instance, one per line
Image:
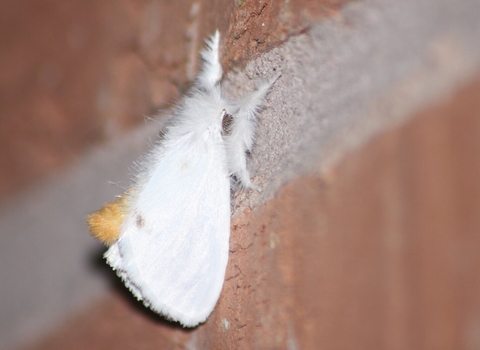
(351, 76)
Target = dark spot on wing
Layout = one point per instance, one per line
(139, 221)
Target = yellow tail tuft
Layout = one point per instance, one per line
(104, 224)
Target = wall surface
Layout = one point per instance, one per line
(76, 74)
(366, 232)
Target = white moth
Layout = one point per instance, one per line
(170, 232)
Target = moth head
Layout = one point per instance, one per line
(104, 224)
(227, 123)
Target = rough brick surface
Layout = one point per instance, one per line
(75, 74)
(379, 253)
(361, 238)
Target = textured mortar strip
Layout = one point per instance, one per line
(48, 257)
(351, 76)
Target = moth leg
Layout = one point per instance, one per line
(242, 136)
(211, 72)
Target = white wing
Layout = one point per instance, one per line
(173, 247)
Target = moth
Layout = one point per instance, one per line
(168, 235)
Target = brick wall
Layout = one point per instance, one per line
(366, 232)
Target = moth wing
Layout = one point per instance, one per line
(173, 247)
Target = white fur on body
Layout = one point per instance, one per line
(173, 247)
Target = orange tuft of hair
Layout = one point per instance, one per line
(104, 224)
